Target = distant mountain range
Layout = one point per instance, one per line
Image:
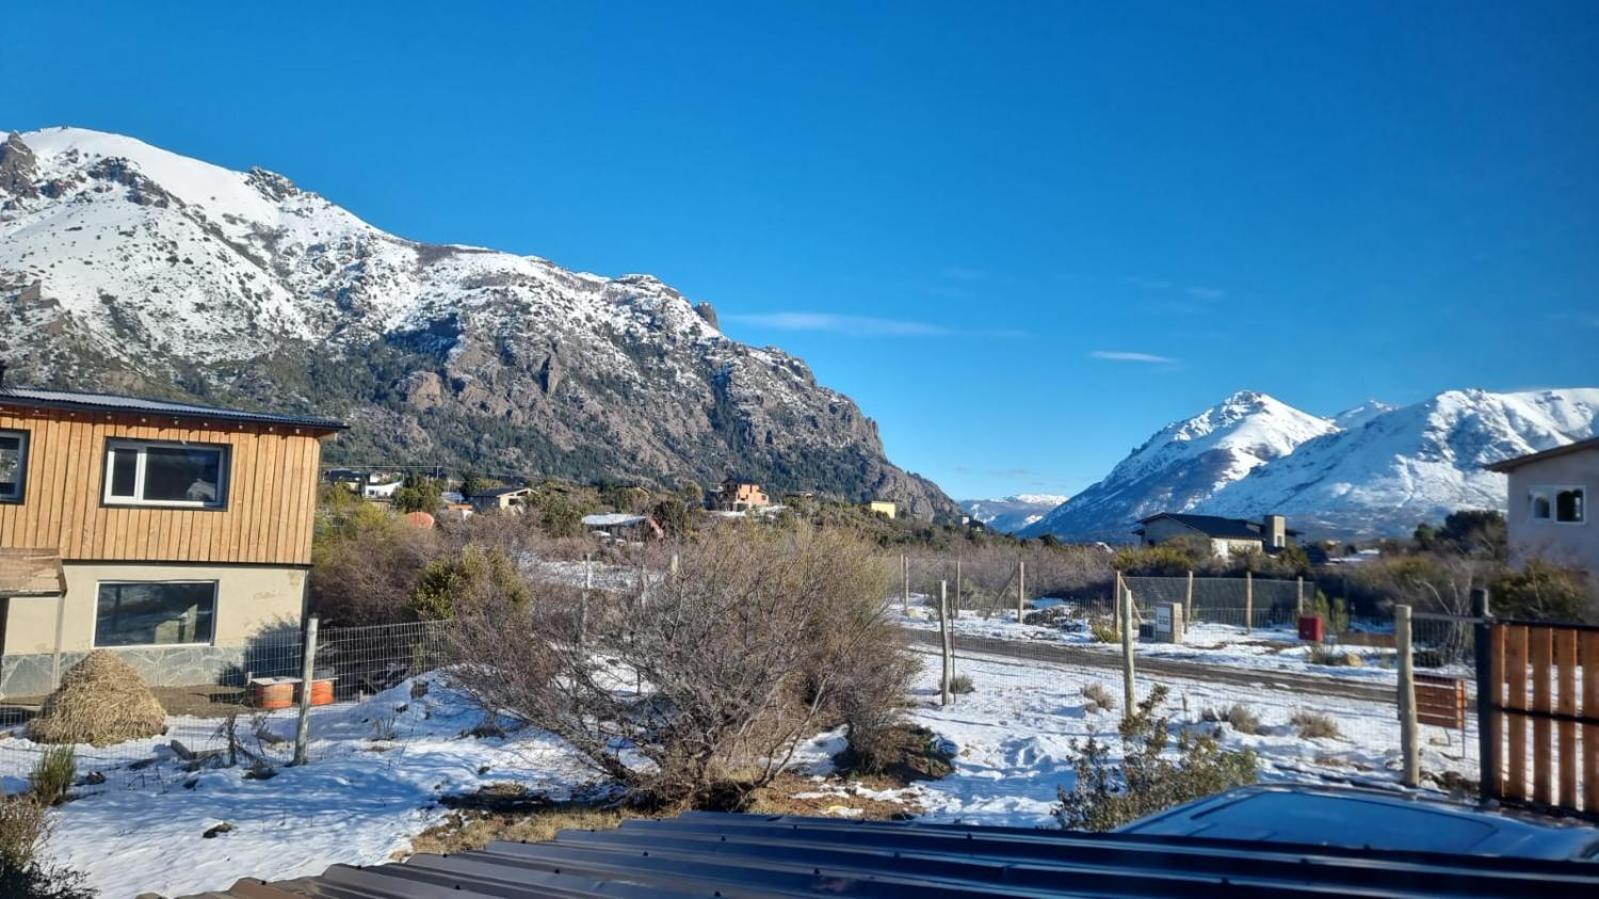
(1373, 470)
(129, 268)
(1011, 513)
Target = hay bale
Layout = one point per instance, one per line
(101, 701)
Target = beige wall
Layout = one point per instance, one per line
(1575, 545)
(250, 599)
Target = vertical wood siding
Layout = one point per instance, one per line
(270, 500)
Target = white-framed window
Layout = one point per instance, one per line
(186, 475)
(13, 465)
(155, 613)
(1558, 504)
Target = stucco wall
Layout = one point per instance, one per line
(250, 599)
(1561, 543)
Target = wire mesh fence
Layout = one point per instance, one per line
(225, 706)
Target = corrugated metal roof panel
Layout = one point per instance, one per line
(705, 854)
(105, 402)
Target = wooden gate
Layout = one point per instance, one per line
(1538, 704)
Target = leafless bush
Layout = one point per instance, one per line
(1238, 716)
(1100, 696)
(365, 565)
(1313, 725)
(703, 683)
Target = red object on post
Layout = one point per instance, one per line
(1311, 628)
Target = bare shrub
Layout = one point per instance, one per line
(962, 683)
(1105, 632)
(24, 825)
(22, 828)
(702, 685)
(1314, 725)
(365, 564)
(1237, 716)
(1108, 795)
(1100, 696)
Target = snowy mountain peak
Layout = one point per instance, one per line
(1375, 469)
(1012, 513)
(153, 271)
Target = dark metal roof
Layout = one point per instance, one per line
(1212, 525)
(704, 854)
(1592, 443)
(131, 405)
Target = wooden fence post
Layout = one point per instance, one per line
(1116, 605)
(302, 729)
(1299, 596)
(905, 592)
(1249, 601)
(1490, 745)
(944, 643)
(1409, 736)
(1128, 691)
(1188, 596)
(955, 607)
(1021, 588)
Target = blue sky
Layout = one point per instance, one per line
(1021, 236)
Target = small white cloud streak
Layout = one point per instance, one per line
(1147, 358)
(859, 325)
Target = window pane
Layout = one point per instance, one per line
(1568, 505)
(184, 474)
(1540, 506)
(124, 471)
(10, 466)
(152, 613)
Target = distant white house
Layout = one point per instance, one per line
(1548, 516)
(381, 491)
(622, 526)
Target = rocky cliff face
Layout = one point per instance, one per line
(127, 267)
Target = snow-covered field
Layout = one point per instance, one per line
(361, 800)
(1275, 648)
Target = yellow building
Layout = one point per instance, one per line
(881, 507)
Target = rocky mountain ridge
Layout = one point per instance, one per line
(127, 267)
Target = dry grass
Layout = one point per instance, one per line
(1237, 716)
(1100, 695)
(101, 701)
(23, 827)
(465, 830)
(1314, 725)
(52, 776)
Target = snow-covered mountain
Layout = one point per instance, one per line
(1183, 465)
(1011, 513)
(124, 266)
(1385, 473)
(1374, 470)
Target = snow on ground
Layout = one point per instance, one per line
(364, 796)
(1013, 736)
(359, 801)
(1274, 648)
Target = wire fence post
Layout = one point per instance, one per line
(1489, 687)
(1299, 596)
(1021, 588)
(1409, 738)
(1116, 604)
(905, 578)
(1188, 596)
(1249, 601)
(302, 729)
(944, 643)
(955, 607)
(1126, 616)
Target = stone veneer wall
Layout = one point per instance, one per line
(169, 666)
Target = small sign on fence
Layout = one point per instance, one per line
(1441, 700)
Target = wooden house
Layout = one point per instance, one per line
(181, 532)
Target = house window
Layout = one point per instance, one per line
(13, 465)
(1538, 505)
(1569, 505)
(150, 613)
(166, 474)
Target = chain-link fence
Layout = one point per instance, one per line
(224, 705)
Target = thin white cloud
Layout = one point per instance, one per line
(1197, 291)
(859, 325)
(1119, 356)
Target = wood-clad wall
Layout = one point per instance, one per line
(267, 518)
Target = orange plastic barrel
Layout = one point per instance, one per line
(321, 691)
(271, 695)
